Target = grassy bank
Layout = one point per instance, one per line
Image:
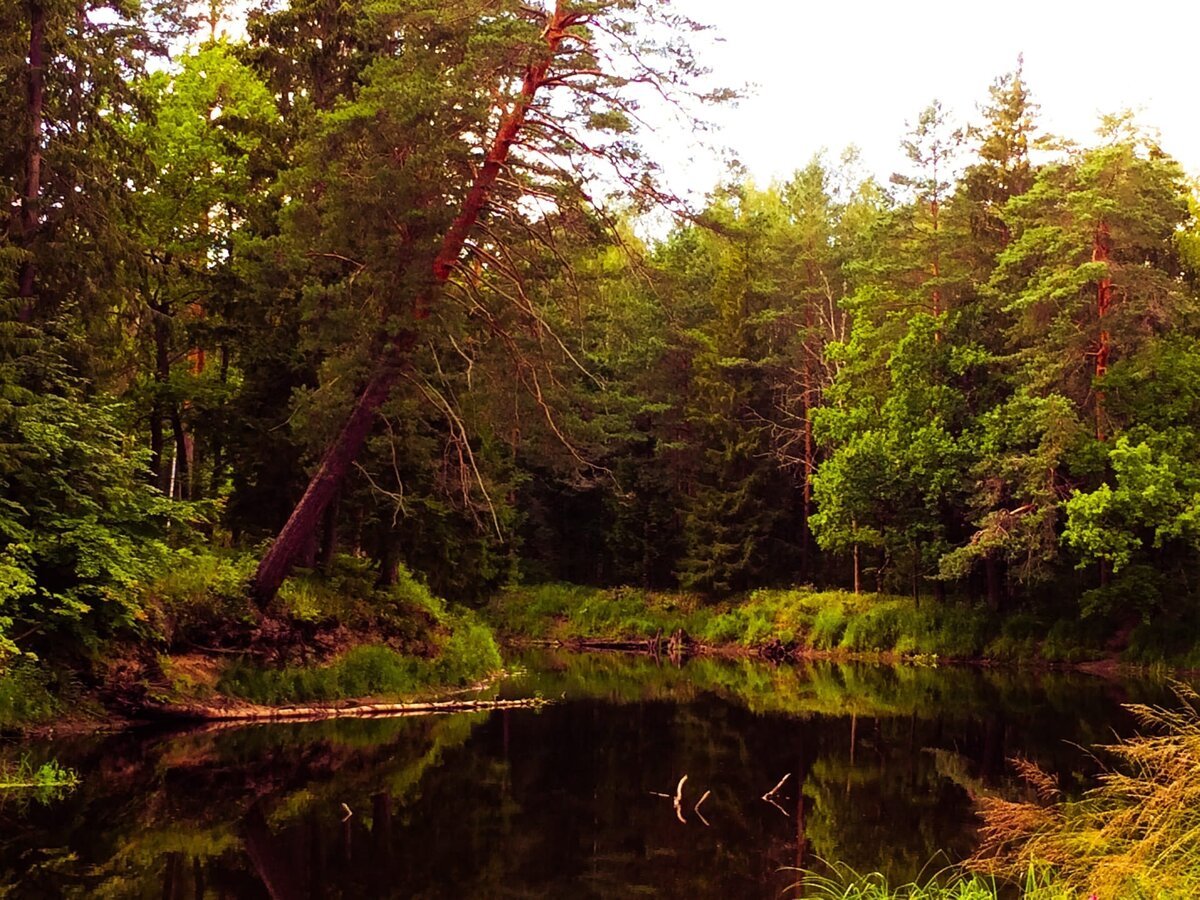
(805, 620)
(332, 636)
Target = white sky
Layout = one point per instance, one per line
(834, 73)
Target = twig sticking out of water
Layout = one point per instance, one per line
(696, 808)
(773, 791)
(679, 800)
(769, 796)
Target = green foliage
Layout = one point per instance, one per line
(809, 619)
(199, 592)
(79, 528)
(1019, 638)
(25, 695)
(843, 883)
(829, 626)
(468, 654)
(1072, 640)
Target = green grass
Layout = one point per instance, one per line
(843, 883)
(200, 591)
(467, 652)
(862, 625)
(818, 620)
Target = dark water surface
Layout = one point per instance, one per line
(561, 802)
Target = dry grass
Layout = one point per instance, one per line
(1136, 835)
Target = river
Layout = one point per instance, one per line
(577, 799)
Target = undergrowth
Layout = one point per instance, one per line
(25, 698)
(803, 617)
(43, 783)
(465, 653)
(863, 624)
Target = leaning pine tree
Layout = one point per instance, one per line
(535, 142)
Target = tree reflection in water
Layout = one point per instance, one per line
(883, 764)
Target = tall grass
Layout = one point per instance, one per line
(802, 617)
(467, 653)
(844, 883)
(25, 698)
(1136, 835)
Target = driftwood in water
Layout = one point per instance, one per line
(250, 712)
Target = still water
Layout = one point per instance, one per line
(882, 766)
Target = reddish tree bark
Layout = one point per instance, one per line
(28, 218)
(279, 560)
(1101, 251)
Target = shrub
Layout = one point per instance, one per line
(1018, 638)
(876, 629)
(1071, 640)
(199, 591)
(25, 697)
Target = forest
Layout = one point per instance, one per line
(975, 381)
(377, 331)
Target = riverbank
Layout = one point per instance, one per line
(802, 623)
(340, 637)
(204, 649)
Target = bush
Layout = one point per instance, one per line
(25, 697)
(1168, 640)
(877, 629)
(467, 652)
(200, 591)
(1018, 638)
(1071, 640)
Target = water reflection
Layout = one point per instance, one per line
(882, 766)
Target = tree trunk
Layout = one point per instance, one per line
(296, 534)
(1101, 251)
(857, 572)
(281, 557)
(183, 456)
(218, 443)
(329, 535)
(995, 586)
(389, 559)
(162, 376)
(28, 218)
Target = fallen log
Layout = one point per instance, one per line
(251, 712)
